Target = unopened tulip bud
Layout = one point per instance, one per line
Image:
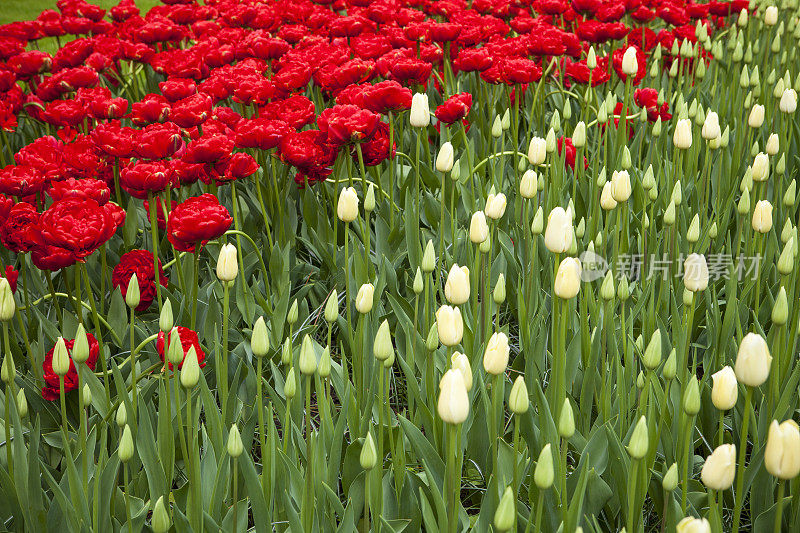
(175, 348)
(637, 446)
(670, 480)
(61, 361)
(693, 233)
(753, 360)
(711, 128)
(528, 185)
(418, 285)
(724, 390)
(518, 401)
(786, 259)
(332, 307)
(121, 416)
(428, 258)
(544, 473)
(165, 318)
(456, 288)
(579, 135)
(591, 58)
(558, 235)
(691, 397)
(568, 278)
(8, 370)
(347, 207)
(566, 421)
(550, 141)
(449, 324)
(132, 295)
(630, 65)
(670, 367)
(364, 298)
(324, 366)
(80, 349)
(259, 339)
(677, 193)
(445, 158)
(234, 445)
(506, 511)
(762, 216)
(780, 311)
(760, 167)
(22, 403)
(125, 449)
(86, 395)
(369, 199)
(695, 273)
(420, 116)
(160, 521)
(607, 291)
(369, 456)
(460, 362)
(720, 468)
(780, 166)
(499, 294)
(453, 404)
(652, 355)
(227, 264)
(538, 222)
(495, 357)
(712, 231)
(383, 348)
(432, 340)
(640, 380)
(495, 206)
(771, 15)
(497, 127)
(308, 360)
(743, 207)
(7, 304)
(756, 118)
(292, 314)
(190, 371)
(537, 151)
(688, 297)
(782, 454)
(290, 387)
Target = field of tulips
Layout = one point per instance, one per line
(400, 266)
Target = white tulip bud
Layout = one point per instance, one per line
(753, 360)
(445, 158)
(420, 116)
(347, 208)
(227, 263)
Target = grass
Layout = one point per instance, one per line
(15, 10)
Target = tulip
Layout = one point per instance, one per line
(160, 521)
(568, 278)
(324, 366)
(332, 307)
(7, 369)
(637, 446)
(682, 138)
(652, 354)
(292, 314)
(543, 474)
(753, 360)
(165, 318)
(418, 284)
(121, 416)
(693, 525)
(125, 449)
(444, 160)
(579, 135)
(7, 304)
(290, 387)
(347, 208)
(711, 129)
(60, 358)
(456, 288)
(558, 235)
(760, 167)
(782, 455)
(227, 264)
(80, 349)
(428, 258)
(420, 116)
(460, 361)
(495, 205)
(537, 151)
(22, 403)
(449, 325)
(518, 401)
(691, 397)
(528, 185)
(234, 445)
(506, 511)
(308, 360)
(756, 118)
(693, 233)
(495, 357)
(190, 371)
(670, 480)
(383, 348)
(773, 144)
(630, 65)
(566, 421)
(724, 390)
(364, 298)
(132, 295)
(720, 468)
(369, 456)
(453, 404)
(86, 395)
(607, 201)
(695, 273)
(780, 310)
(620, 185)
(499, 293)
(771, 15)
(788, 103)
(762, 216)
(259, 339)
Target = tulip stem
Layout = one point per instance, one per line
(713, 516)
(193, 317)
(127, 497)
(8, 394)
(632, 495)
(260, 407)
(134, 377)
(779, 510)
(308, 500)
(223, 366)
(453, 492)
(497, 385)
(738, 496)
(154, 232)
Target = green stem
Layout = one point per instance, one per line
(779, 510)
(739, 497)
(154, 234)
